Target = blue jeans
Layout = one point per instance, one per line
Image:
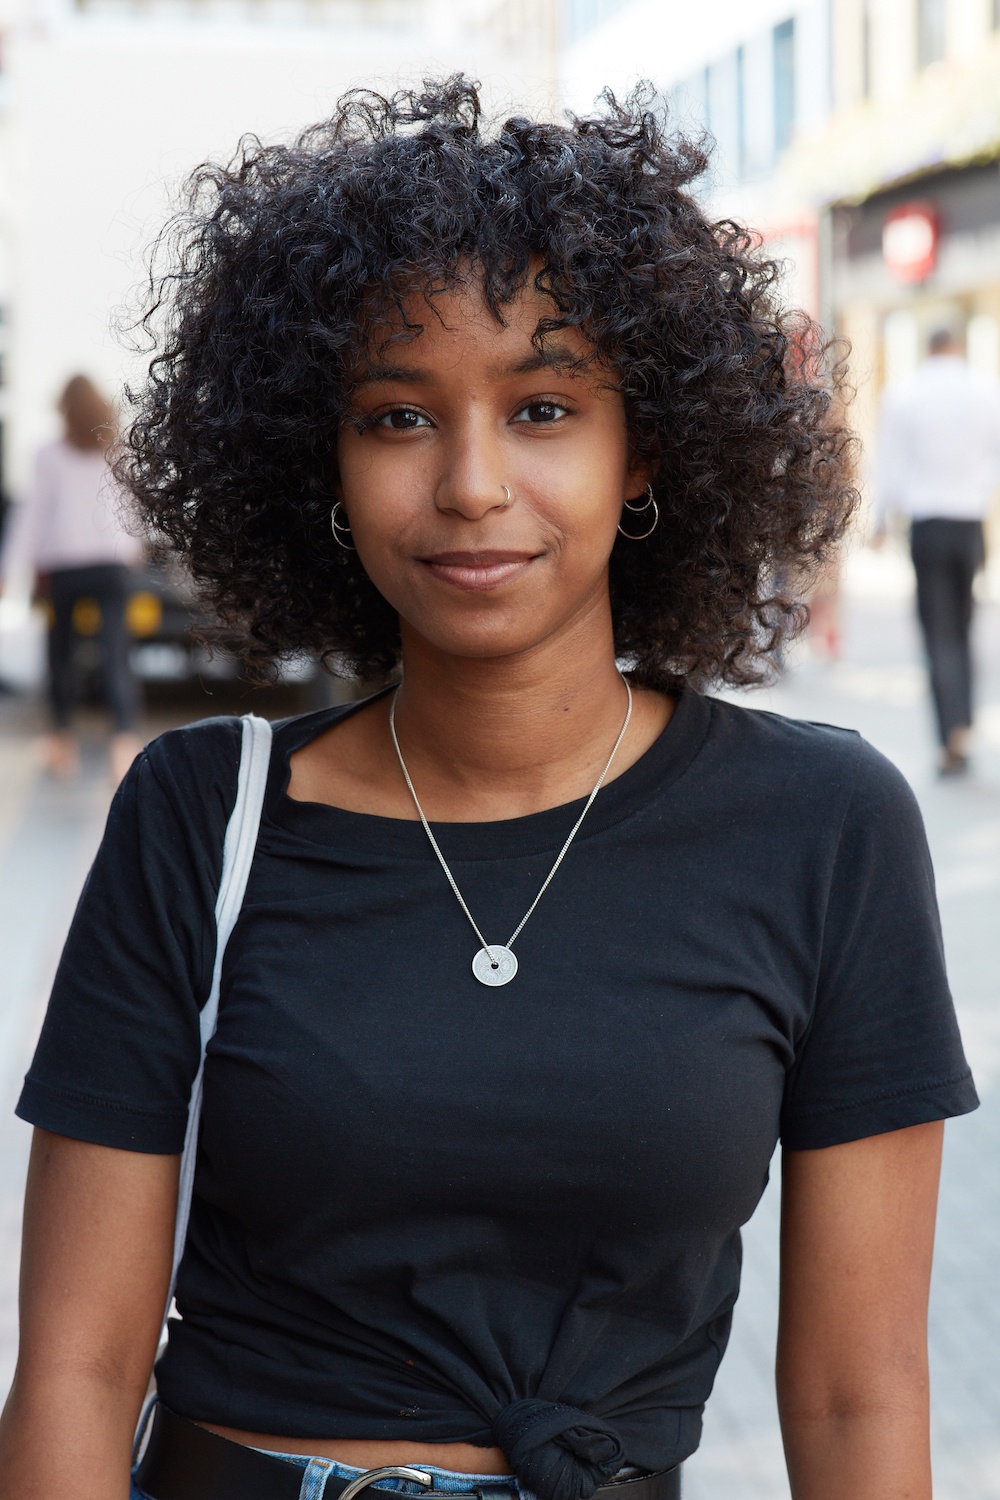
(316, 1471)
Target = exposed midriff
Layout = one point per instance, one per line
(462, 1458)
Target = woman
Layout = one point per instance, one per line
(67, 532)
(505, 413)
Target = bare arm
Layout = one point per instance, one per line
(856, 1243)
(95, 1266)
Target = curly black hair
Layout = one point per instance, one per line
(283, 267)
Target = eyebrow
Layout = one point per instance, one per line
(378, 374)
(554, 357)
(549, 357)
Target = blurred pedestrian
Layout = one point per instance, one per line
(68, 534)
(938, 463)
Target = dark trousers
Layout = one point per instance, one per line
(108, 585)
(946, 556)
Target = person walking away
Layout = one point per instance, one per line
(68, 534)
(938, 462)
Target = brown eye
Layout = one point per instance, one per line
(541, 412)
(402, 419)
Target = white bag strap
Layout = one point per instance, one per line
(237, 857)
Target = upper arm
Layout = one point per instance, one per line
(877, 1068)
(857, 1234)
(880, 1049)
(120, 1043)
(95, 1263)
(108, 1090)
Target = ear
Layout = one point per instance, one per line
(334, 477)
(638, 477)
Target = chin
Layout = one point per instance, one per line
(483, 645)
(494, 650)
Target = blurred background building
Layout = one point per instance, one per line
(861, 138)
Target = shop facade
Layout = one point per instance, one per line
(917, 256)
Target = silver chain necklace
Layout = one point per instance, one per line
(494, 963)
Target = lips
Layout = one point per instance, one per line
(477, 570)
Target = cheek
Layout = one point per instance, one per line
(583, 501)
(592, 470)
(595, 538)
(382, 514)
(372, 490)
(354, 465)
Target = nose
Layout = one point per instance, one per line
(472, 484)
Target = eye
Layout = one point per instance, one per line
(401, 419)
(541, 412)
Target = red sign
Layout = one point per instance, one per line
(910, 241)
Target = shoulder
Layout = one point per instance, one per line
(785, 741)
(60, 463)
(805, 760)
(900, 393)
(50, 456)
(195, 768)
(985, 389)
(206, 746)
(189, 775)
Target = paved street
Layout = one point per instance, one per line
(48, 834)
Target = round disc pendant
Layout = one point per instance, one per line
(494, 965)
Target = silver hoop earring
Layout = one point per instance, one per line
(507, 501)
(344, 528)
(638, 510)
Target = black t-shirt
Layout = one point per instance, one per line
(418, 1200)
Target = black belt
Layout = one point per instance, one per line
(183, 1461)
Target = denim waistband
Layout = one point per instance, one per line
(316, 1472)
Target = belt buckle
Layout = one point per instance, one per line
(372, 1476)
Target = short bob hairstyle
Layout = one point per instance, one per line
(293, 261)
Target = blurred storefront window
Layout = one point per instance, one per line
(583, 15)
(784, 83)
(909, 267)
(931, 20)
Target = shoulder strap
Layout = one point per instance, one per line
(237, 857)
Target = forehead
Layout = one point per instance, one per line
(456, 327)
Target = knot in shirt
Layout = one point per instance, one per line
(558, 1451)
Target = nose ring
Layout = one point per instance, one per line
(507, 501)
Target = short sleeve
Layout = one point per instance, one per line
(882, 1049)
(119, 1045)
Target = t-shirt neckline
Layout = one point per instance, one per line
(320, 823)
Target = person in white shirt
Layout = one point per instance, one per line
(68, 534)
(938, 464)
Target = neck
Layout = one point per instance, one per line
(521, 722)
